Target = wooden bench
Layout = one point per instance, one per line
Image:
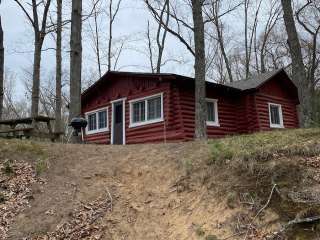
(17, 132)
(28, 131)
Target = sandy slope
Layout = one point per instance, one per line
(141, 180)
(151, 198)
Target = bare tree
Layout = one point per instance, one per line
(161, 35)
(161, 40)
(298, 68)
(96, 34)
(150, 47)
(39, 28)
(58, 100)
(179, 22)
(250, 32)
(273, 17)
(214, 15)
(200, 71)
(11, 107)
(112, 15)
(198, 37)
(313, 30)
(75, 59)
(1, 68)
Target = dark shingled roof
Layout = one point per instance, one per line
(254, 81)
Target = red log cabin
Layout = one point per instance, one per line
(129, 108)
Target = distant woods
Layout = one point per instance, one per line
(224, 40)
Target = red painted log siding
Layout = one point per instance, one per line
(251, 113)
(246, 112)
(157, 132)
(276, 92)
(131, 88)
(243, 112)
(227, 104)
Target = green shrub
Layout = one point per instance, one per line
(2, 198)
(211, 237)
(200, 232)
(231, 199)
(265, 146)
(219, 152)
(8, 169)
(188, 166)
(29, 147)
(41, 166)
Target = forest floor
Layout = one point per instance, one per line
(261, 186)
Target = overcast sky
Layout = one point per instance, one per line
(131, 23)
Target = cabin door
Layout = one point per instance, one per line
(118, 123)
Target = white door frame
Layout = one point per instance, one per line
(123, 100)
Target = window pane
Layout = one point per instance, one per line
(118, 113)
(102, 119)
(138, 112)
(211, 112)
(154, 108)
(92, 118)
(275, 114)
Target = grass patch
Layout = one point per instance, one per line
(243, 169)
(188, 166)
(200, 232)
(23, 150)
(41, 166)
(265, 146)
(2, 198)
(21, 146)
(7, 168)
(211, 237)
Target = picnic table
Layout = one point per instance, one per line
(29, 130)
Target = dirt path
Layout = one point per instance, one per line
(141, 178)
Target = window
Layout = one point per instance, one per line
(275, 115)
(154, 108)
(139, 112)
(102, 119)
(212, 112)
(97, 121)
(92, 122)
(146, 110)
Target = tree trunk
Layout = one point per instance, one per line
(222, 48)
(1, 69)
(247, 60)
(110, 35)
(58, 123)
(298, 68)
(39, 35)
(36, 75)
(75, 59)
(262, 61)
(150, 48)
(200, 72)
(166, 8)
(97, 39)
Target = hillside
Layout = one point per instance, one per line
(261, 186)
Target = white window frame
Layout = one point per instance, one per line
(96, 111)
(281, 125)
(216, 122)
(146, 122)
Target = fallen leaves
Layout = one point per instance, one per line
(15, 189)
(15, 196)
(83, 223)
